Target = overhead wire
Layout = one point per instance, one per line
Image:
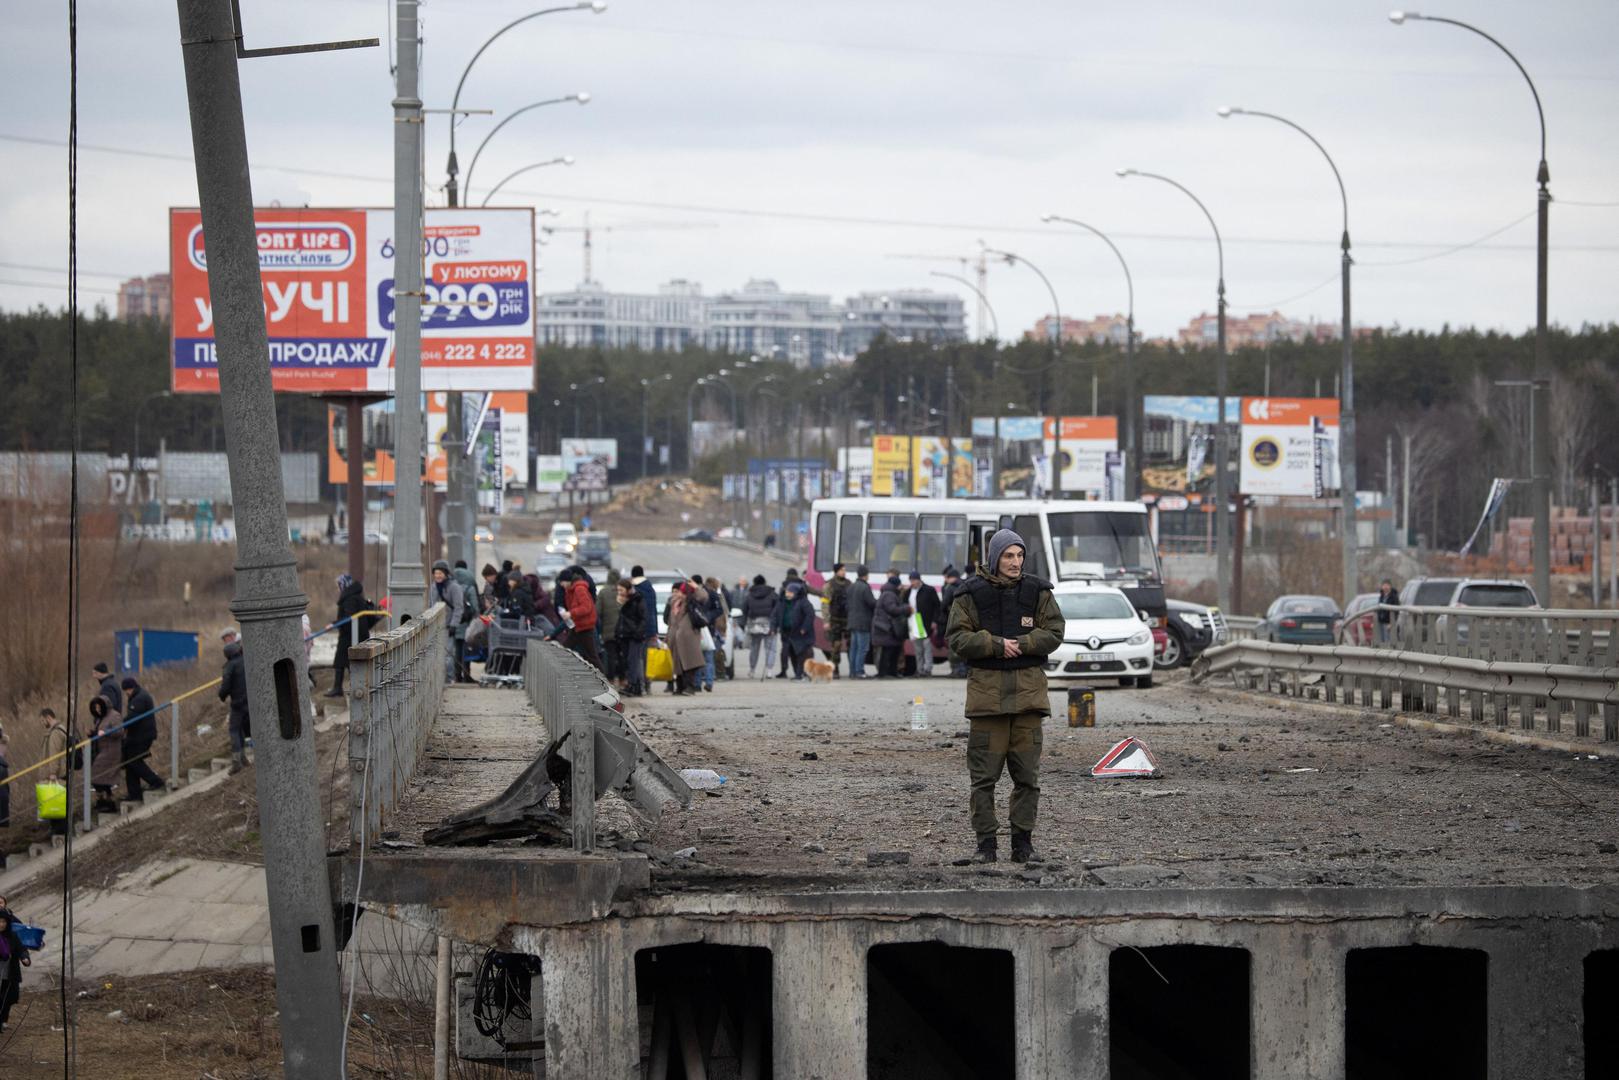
(69, 1018)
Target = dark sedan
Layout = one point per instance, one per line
(1300, 620)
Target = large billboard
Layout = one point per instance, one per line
(329, 304)
(1082, 456)
(1289, 446)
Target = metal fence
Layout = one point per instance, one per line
(397, 678)
(1524, 694)
(1540, 635)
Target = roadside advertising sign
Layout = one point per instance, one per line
(890, 463)
(379, 458)
(930, 461)
(548, 473)
(1086, 441)
(329, 304)
(587, 462)
(1281, 445)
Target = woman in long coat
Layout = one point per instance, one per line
(888, 630)
(108, 750)
(685, 640)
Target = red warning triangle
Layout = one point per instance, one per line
(1129, 757)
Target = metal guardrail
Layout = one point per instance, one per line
(397, 679)
(1539, 695)
(1241, 627)
(1583, 638)
(603, 750)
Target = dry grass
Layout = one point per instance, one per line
(215, 1023)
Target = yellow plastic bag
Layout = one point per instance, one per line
(660, 665)
(51, 799)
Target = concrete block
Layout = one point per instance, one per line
(58, 841)
(35, 850)
(219, 764)
(194, 775)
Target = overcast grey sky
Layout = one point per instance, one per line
(907, 127)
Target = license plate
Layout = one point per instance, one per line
(1094, 657)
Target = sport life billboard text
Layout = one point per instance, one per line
(329, 305)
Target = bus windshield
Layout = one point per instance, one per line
(1107, 545)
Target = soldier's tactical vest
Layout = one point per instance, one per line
(1007, 613)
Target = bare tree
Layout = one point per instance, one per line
(1573, 413)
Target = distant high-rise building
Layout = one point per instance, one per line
(759, 319)
(145, 297)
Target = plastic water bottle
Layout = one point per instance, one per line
(919, 714)
(701, 779)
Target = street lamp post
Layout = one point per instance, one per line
(995, 324)
(1222, 496)
(1132, 471)
(1013, 259)
(1540, 449)
(460, 511)
(582, 98)
(565, 159)
(1346, 408)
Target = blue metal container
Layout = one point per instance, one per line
(136, 650)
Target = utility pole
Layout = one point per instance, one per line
(268, 603)
(406, 581)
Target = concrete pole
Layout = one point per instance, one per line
(1405, 496)
(1596, 543)
(455, 495)
(268, 602)
(1539, 395)
(406, 581)
(441, 1012)
(1222, 479)
(1347, 481)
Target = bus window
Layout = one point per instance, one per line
(1034, 562)
(941, 540)
(825, 526)
(1104, 544)
(850, 534)
(890, 542)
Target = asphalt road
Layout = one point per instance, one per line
(716, 560)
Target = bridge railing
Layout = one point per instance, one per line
(1583, 638)
(1530, 695)
(396, 678)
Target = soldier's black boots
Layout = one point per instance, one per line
(1023, 848)
(986, 850)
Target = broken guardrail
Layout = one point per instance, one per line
(397, 678)
(591, 749)
(1485, 691)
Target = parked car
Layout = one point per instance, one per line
(1300, 620)
(1428, 591)
(1359, 625)
(564, 538)
(1494, 592)
(595, 549)
(702, 535)
(1104, 636)
(1191, 629)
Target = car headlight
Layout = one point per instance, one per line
(1140, 637)
(1192, 619)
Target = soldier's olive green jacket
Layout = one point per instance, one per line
(1002, 693)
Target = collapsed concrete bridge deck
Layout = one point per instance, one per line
(1391, 861)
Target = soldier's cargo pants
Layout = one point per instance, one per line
(1012, 742)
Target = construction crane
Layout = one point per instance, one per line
(588, 230)
(978, 263)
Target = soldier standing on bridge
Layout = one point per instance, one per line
(1004, 624)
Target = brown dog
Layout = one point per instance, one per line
(818, 670)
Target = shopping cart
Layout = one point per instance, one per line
(507, 644)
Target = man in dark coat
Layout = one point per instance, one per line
(138, 739)
(107, 687)
(629, 631)
(798, 621)
(925, 600)
(862, 609)
(233, 688)
(837, 616)
(350, 602)
(888, 627)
